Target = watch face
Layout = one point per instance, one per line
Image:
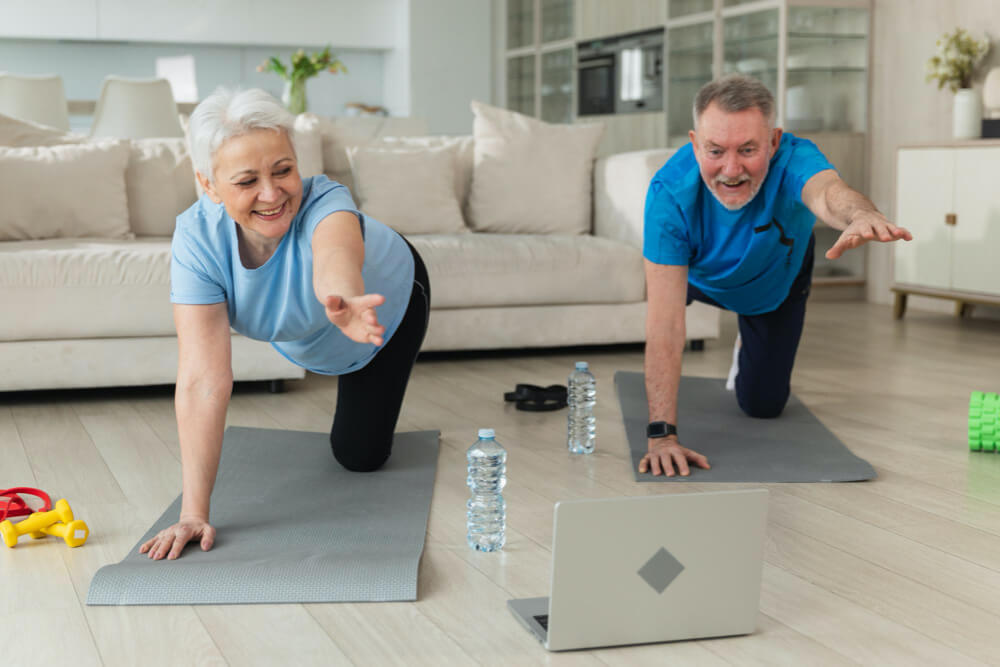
(656, 430)
(660, 430)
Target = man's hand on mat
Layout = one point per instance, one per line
(867, 226)
(356, 317)
(170, 542)
(665, 453)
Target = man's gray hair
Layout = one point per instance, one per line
(228, 113)
(736, 92)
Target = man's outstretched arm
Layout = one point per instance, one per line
(846, 209)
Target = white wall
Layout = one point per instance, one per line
(444, 61)
(908, 109)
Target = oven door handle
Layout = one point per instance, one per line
(606, 61)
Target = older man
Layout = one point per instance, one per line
(729, 222)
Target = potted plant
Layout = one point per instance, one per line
(298, 72)
(953, 65)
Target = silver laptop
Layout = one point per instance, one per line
(651, 569)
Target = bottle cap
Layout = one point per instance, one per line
(486, 433)
(582, 366)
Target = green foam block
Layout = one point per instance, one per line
(984, 421)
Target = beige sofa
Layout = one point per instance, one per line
(88, 306)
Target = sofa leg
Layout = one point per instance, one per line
(276, 386)
(697, 345)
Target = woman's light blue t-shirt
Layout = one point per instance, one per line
(276, 302)
(748, 259)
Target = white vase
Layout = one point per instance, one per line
(967, 114)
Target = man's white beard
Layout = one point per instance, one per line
(754, 189)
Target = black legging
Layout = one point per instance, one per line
(369, 399)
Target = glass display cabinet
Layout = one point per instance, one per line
(813, 57)
(539, 59)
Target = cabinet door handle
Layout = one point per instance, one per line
(951, 219)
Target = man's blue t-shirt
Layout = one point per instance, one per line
(747, 259)
(276, 302)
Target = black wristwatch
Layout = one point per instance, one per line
(660, 430)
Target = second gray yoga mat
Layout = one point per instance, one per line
(795, 447)
(293, 526)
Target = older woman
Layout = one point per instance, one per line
(291, 261)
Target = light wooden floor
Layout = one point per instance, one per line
(903, 570)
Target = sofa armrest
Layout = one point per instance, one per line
(620, 184)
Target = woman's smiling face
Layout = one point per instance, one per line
(257, 180)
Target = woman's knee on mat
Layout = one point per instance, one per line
(360, 459)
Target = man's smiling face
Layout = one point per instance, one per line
(733, 150)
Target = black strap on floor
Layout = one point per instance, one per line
(532, 398)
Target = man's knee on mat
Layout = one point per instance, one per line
(761, 407)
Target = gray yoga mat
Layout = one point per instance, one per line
(795, 447)
(293, 526)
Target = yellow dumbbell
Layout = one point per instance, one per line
(75, 532)
(36, 523)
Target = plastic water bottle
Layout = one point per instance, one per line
(581, 423)
(487, 512)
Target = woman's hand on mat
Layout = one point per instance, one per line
(665, 453)
(170, 542)
(356, 316)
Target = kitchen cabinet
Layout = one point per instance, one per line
(946, 197)
(600, 18)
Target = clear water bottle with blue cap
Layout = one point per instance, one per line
(581, 396)
(487, 512)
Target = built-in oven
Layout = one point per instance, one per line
(639, 72)
(595, 66)
(621, 74)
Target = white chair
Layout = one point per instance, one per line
(40, 99)
(136, 109)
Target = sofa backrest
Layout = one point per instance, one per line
(620, 185)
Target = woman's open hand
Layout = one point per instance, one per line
(356, 316)
(170, 542)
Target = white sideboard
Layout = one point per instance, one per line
(946, 195)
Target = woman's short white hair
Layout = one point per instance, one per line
(228, 113)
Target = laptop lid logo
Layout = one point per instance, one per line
(660, 570)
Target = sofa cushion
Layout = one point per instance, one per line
(481, 270)
(464, 147)
(410, 189)
(159, 185)
(530, 176)
(16, 132)
(70, 190)
(342, 131)
(75, 288)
